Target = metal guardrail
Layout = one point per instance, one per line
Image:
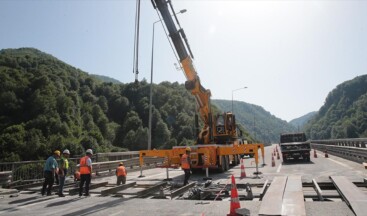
(27, 170)
(112, 165)
(32, 170)
(351, 149)
(357, 142)
(114, 156)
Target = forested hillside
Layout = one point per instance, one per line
(46, 104)
(106, 79)
(344, 114)
(261, 124)
(301, 121)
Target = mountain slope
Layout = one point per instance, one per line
(106, 79)
(46, 104)
(301, 121)
(344, 113)
(261, 124)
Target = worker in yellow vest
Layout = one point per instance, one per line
(185, 165)
(85, 170)
(121, 174)
(63, 171)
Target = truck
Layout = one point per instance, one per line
(218, 144)
(294, 146)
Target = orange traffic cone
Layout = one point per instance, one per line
(272, 161)
(278, 156)
(314, 153)
(235, 202)
(326, 154)
(243, 172)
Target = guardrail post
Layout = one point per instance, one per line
(12, 172)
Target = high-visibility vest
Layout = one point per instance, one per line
(121, 171)
(64, 163)
(84, 168)
(185, 162)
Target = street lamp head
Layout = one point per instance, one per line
(234, 91)
(239, 89)
(183, 11)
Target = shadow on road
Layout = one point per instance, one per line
(63, 202)
(291, 163)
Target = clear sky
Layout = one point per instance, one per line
(290, 54)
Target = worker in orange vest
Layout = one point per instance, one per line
(85, 170)
(185, 165)
(121, 174)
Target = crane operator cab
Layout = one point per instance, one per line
(224, 128)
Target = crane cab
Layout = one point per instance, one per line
(224, 128)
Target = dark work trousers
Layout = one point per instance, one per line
(62, 182)
(56, 178)
(49, 181)
(84, 178)
(187, 176)
(121, 179)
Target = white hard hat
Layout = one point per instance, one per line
(66, 152)
(89, 151)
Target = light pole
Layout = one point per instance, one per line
(234, 91)
(151, 85)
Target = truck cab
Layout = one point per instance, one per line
(294, 146)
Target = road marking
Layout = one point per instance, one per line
(279, 167)
(344, 165)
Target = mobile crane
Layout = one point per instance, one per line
(218, 143)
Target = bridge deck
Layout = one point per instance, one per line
(272, 202)
(284, 197)
(356, 198)
(293, 201)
